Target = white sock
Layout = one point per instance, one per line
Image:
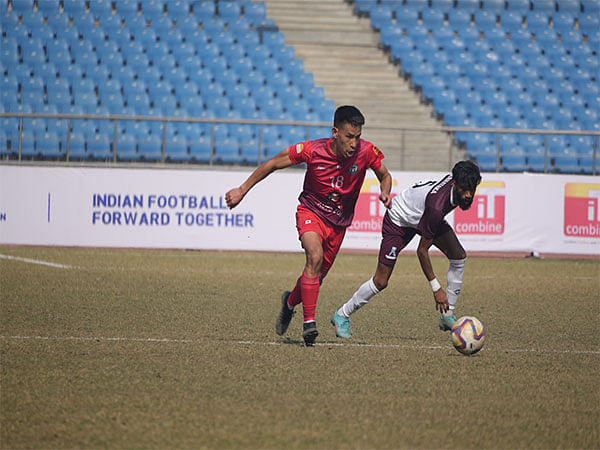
(454, 281)
(360, 298)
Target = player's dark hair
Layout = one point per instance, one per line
(348, 114)
(466, 175)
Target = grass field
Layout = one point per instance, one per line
(177, 349)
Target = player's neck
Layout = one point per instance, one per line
(333, 148)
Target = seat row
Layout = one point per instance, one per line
(139, 140)
(125, 10)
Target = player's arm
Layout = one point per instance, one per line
(279, 161)
(441, 302)
(385, 185)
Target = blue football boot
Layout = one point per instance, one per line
(447, 322)
(343, 329)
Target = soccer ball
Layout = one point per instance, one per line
(468, 335)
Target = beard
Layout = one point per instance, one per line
(465, 203)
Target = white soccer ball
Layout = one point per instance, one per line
(468, 335)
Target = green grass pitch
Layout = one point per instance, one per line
(177, 349)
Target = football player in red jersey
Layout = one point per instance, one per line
(420, 209)
(335, 172)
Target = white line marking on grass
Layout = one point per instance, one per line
(37, 261)
(283, 342)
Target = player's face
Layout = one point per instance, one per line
(346, 139)
(462, 197)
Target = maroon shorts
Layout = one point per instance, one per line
(331, 237)
(395, 238)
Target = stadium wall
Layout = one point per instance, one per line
(179, 208)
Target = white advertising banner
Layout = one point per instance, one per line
(166, 208)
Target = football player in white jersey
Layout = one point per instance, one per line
(420, 209)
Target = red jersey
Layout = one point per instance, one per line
(332, 185)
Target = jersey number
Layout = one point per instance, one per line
(337, 182)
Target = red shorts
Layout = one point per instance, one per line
(331, 237)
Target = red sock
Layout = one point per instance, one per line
(296, 294)
(310, 292)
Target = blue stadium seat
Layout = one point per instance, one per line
(545, 6)
(227, 150)
(48, 144)
(485, 19)
(589, 22)
(204, 10)
(153, 9)
(150, 149)
(230, 11)
(514, 163)
(566, 164)
(255, 12)
(432, 18)
(99, 146)
(518, 5)
(443, 5)
(176, 148)
(127, 9)
(587, 164)
(406, 17)
(127, 148)
(200, 150)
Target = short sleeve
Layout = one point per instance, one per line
(376, 158)
(431, 219)
(300, 152)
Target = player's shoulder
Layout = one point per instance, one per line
(301, 150)
(440, 189)
(370, 148)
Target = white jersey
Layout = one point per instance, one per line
(410, 206)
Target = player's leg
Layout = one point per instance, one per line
(309, 230)
(309, 284)
(362, 296)
(306, 290)
(393, 240)
(449, 244)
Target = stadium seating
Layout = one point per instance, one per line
(491, 63)
(522, 65)
(131, 57)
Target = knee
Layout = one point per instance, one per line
(314, 260)
(460, 255)
(380, 284)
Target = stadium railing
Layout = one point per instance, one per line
(111, 155)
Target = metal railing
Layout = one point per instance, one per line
(402, 131)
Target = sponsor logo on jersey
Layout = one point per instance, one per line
(486, 215)
(376, 150)
(353, 169)
(582, 210)
(299, 148)
(334, 197)
(307, 221)
(393, 253)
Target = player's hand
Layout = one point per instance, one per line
(441, 302)
(386, 199)
(234, 197)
